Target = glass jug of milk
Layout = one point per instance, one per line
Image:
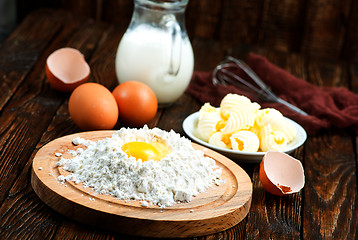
(156, 49)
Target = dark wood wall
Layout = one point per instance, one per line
(318, 28)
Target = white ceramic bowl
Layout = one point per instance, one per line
(190, 125)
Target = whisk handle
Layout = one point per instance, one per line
(289, 105)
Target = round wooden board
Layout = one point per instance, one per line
(220, 208)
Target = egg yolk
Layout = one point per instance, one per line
(146, 151)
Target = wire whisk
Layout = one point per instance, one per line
(224, 76)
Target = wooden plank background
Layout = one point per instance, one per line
(33, 114)
(321, 29)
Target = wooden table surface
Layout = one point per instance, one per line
(32, 114)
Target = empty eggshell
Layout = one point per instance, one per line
(66, 68)
(281, 174)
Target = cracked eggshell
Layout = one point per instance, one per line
(281, 174)
(66, 68)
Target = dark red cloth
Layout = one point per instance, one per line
(327, 106)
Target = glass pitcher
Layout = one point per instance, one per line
(156, 49)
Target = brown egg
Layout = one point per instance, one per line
(66, 68)
(137, 103)
(93, 107)
(281, 174)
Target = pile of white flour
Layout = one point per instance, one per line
(177, 177)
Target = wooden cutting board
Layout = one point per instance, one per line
(220, 208)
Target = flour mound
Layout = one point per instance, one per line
(178, 177)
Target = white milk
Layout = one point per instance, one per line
(144, 55)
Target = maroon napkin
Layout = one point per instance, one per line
(326, 106)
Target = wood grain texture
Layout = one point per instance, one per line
(353, 73)
(203, 18)
(15, 66)
(219, 208)
(350, 50)
(240, 21)
(330, 165)
(33, 115)
(35, 100)
(326, 26)
(273, 217)
(282, 25)
(330, 181)
(319, 28)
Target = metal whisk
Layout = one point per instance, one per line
(223, 76)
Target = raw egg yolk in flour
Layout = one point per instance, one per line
(146, 151)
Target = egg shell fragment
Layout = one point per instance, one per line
(66, 68)
(281, 174)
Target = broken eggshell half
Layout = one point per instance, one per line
(66, 68)
(281, 174)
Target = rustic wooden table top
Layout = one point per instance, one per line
(32, 114)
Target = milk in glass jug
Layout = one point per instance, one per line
(156, 49)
